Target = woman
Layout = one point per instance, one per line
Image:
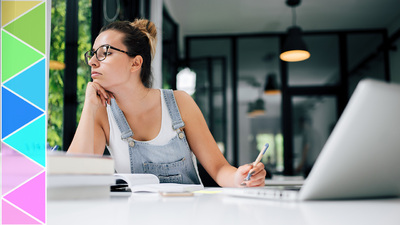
(147, 130)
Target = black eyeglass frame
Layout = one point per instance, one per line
(87, 58)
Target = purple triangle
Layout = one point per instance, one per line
(12, 215)
(16, 168)
(31, 197)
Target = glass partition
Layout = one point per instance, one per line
(314, 118)
(322, 68)
(364, 62)
(211, 59)
(314, 90)
(259, 115)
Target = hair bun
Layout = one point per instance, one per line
(149, 29)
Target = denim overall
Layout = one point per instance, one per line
(172, 162)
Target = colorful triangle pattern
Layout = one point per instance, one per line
(19, 56)
(13, 174)
(16, 112)
(32, 77)
(12, 215)
(30, 28)
(13, 9)
(34, 140)
(30, 197)
(23, 80)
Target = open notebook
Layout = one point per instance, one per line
(361, 158)
(149, 183)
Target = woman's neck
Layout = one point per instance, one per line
(129, 98)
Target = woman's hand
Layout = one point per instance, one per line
(257, 178)
(96, 95)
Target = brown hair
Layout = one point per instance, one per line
(140, 39)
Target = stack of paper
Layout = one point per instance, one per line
(77, 176)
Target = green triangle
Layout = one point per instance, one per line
(31, 28)
(16, 56)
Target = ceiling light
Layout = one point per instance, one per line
(256, 108)
(271, 86)
(294, 48)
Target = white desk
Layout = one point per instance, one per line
(219, 209)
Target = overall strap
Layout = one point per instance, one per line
(119, 117)
(173, 109)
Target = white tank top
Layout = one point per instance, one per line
(119, 149)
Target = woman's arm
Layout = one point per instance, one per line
(206, 149)
(90, 137)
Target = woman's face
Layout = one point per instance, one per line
(115, 68)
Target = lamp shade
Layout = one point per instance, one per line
(294, 49)
(271, 85)
(256, 108)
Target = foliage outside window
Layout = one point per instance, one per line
(84, 44)
(273, 162)
(56, 77)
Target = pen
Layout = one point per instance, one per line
(257, 160)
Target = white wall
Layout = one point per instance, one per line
(156, 16)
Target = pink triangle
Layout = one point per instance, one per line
(16, 168)
(12, 215)
(31, 197)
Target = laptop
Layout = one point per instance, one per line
(361, 158)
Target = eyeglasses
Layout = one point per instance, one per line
(101, 53)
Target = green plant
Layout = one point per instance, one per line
(56, 77)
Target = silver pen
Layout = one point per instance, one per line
(259, 157)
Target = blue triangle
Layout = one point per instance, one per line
(15, 112)
(31, 84)
(31, 140)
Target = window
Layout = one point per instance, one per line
(56, 75)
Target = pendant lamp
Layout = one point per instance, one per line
(294, 48)
(256, 108)
(271, 85)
